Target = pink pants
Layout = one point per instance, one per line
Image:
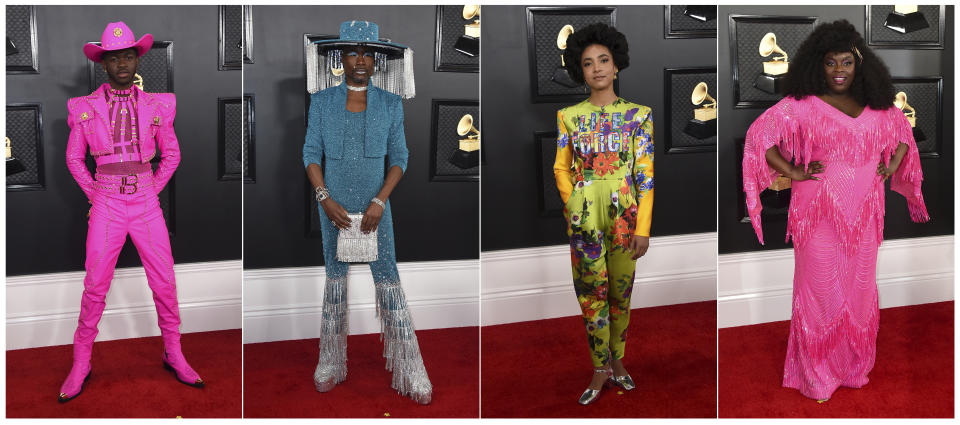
(112, 218)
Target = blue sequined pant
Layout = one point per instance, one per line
(400, 347)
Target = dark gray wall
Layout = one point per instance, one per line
(46, 230)
(432, 220)
(736, 236)
(685, 183)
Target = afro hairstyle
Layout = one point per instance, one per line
(872, 85)
(598, 33)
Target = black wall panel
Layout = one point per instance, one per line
(46, 230)
(432, 220)
(685, 200)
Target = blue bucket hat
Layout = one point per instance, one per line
(354, 33)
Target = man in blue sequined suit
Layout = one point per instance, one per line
(351, 127)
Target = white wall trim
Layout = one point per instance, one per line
(757, 287)
(535, 283)
(285, 303)
(42, 309)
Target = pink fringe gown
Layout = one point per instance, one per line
(837, 226)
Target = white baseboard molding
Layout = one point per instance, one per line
(757, 287)
(43, 309)
(285, 303)
(535, 283)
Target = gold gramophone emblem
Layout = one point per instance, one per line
(781, 183)
(562, 40)
(465, 127)
(906, 18)
(709, 110)
(472, 29)
(14, 165)
(900, 101)
(768, 46)
(560, 74)
(138, 81)
(469, 43)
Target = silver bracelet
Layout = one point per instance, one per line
(321, 193)
(378, 202)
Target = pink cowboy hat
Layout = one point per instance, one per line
(117, 36)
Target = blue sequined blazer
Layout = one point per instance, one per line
(383, 133)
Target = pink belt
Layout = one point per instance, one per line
(124, 184)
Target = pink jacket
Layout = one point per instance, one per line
(88, 119)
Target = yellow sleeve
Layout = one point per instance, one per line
(643, 174)
(564, 160)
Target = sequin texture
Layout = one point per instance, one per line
(353, 173)
(837, 225)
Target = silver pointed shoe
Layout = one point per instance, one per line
(589, 396)
(624, 382)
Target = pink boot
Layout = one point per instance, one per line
(185, 374)
(73, 386)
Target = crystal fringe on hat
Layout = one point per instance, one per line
(392, 75)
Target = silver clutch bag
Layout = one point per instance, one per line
(354, 246)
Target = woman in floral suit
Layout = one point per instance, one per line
(604, 172)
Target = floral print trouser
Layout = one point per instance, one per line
(601, 214)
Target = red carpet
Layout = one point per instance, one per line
(539, 369)
(128, 380)
(913, 376)
(278, 379)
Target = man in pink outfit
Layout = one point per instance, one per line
(124, 127)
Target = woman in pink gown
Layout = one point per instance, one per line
(845, 137)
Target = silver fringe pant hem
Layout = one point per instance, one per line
(332, 365)
(400, 347)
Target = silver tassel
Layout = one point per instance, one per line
(354, 246)
(313, 59)
(409, 88)
(332, 365)
(392, 75)
(400, 347)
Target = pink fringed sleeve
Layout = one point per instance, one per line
(908, 177)
(774, 127)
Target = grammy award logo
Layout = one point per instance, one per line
(900, 101)
(774, 71)
(469, 43)
(14, 165)
(704, 122)
(906, 19)
(560, 74)
(138, 81)
(468, 155)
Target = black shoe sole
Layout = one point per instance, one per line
(64, 400)
(192, 384)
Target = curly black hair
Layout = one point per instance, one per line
(598, 33)
(872, 85)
